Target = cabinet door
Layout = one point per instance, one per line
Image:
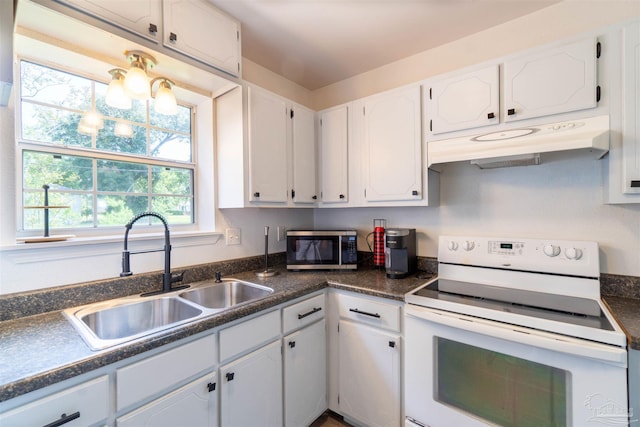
(334, 155)
(199, 30)
(305, 375)
(554, 81)
(141, 17)
(251, 389)
(392, 144)
(369, 379)
(195, 404)
(303, 154)
(631, 99)
(464, 102)
(267, 147)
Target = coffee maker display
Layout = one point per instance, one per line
(400, 252)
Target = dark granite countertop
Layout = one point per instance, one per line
(627, 312)
(43, 349)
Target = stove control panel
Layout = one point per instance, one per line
(550, 255)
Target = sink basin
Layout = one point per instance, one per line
(106, 324)
(225, 294)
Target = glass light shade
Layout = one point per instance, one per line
(124, 130)
(117, 96)
(165, 101)
(136, 82)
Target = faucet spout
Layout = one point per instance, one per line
(167, 278)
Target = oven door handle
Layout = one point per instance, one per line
(601, 352)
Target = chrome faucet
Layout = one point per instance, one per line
(167, 278)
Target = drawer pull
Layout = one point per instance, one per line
(314, 310)
(230, 376)
(64, 418)
(211, 387)
(355, 310)
(292, 344)
(173, 37)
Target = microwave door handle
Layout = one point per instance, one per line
(339, 250)
(613, 355)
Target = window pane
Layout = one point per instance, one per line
(181, 122)
(177, 210)
(170, 146)
(79, 213)
(57, 171)
(48, 124)
(118, 210)
(167, 180)
(122, 177)
(108, 140)
(45, 85)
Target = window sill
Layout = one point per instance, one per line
(178, 239)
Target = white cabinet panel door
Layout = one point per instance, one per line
(197, 29)
(554, 81)
(631, 99)
(393, 149)
(195, 404)
(464, 102)
(305, 375)
(334, 139)
(369, 377)
(251, 389)
(267, 147)
(303, 155)
(141, 17)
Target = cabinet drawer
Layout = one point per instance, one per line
(372, 312)
(303, 313)
(148, 377)
(84, 404)
(249, 335)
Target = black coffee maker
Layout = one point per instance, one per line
(400, 252)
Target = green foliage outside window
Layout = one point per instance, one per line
(105, 179)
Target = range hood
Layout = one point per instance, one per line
(523, 146)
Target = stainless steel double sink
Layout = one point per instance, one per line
(114, 322)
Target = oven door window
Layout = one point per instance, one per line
(499, 388)
(312, 250)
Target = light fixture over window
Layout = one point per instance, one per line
(134, 83)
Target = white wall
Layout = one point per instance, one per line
(558, 199)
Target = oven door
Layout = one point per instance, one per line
(465, 371)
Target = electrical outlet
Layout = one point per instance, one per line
(281, 232)
(232, 236)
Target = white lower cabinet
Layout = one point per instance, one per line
(305, 375)
(369, 377)
(195, 404)
(251, 389)
(86, 404)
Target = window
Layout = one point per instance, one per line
(126, 162)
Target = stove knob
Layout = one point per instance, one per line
(468, 245)
(573, 253)
(453, 246)
(551, 250)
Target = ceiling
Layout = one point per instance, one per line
(315, 43)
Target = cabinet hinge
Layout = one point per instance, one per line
(291, 113)
(293, 193)
(320, 122)
(338, 399)
(237, 35)
(364, 111)
(430, 93)
(598, 93)
(365, 193)
(598, 49)
(338, 327)
(430, 125)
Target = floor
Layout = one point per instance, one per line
(329, 419)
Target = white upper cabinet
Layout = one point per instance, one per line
(556, 80)
(267, 147)
(465, 101)
(303, 155)
(334, 144)
(392, 146)
(141, 17)
(197, 29)
(631, 105)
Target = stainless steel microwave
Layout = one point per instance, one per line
(322, 250)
